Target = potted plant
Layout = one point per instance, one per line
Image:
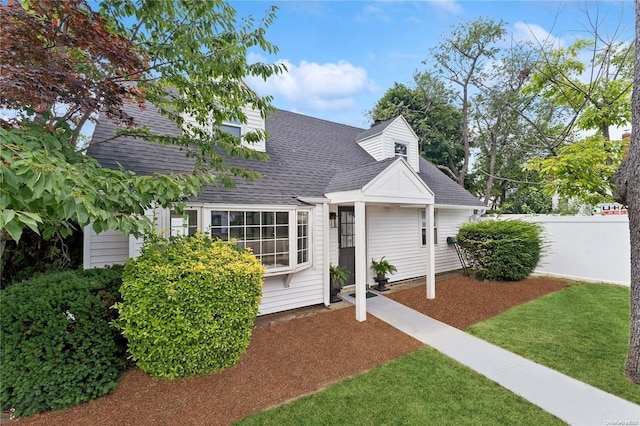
(382, 268)
(338, 276)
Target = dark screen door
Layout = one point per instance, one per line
(346, 242)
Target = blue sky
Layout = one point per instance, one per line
(344, 55)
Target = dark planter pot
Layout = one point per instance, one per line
(333, 293)
(382, 283)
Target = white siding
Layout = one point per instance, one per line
(399, 131)
(374, 147)
(449, 221)
(254, 122)
(396, 234)
(162, 220)
(382, 146)
(106, 248)
(306, 287)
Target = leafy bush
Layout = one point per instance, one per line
(58, 347)
(502, 249)
(33, 255)
(189, 305)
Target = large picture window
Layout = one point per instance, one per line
(267, 233)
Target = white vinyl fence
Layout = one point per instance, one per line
(585, 248)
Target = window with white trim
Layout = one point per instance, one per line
(423, 226)
(268, 234)
(185, 223)
(303, 237)
(400, 149)
(234, 128)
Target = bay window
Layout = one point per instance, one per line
(184, 224)
(279, 238)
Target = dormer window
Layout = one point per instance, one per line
(400, 149)
(233, 128)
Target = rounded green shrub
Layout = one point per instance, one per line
(189, 305)
(58, 347)
(507, 250)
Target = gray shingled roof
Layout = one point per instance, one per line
(358, 177)
(375, 129)
(307, 158)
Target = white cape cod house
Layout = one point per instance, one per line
(330, 193)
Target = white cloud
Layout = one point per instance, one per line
(447, 6)
(254, 58)
(535, 34)
(327, 87)
(373, 12)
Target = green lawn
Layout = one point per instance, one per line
(421, 388)
(582, 331)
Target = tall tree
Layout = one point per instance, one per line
(628, 192)
(427, 107)
(597, 95)
(461, 59)
(62, 64)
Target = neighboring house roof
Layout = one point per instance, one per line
(308, 157)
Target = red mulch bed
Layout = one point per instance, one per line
(291, 358)
(463, 301)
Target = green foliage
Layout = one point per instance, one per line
(153, 56)
(58, 346)
(581, 331)
(527, 199)
(338, 276)
(428, 108)
(33, 255)
(189, 305)
(605, 98)
(383, 267)
(502, 249)
(583, 170)
(424, 387)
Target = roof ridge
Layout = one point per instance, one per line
(319, 119)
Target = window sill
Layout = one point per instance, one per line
(287, 274)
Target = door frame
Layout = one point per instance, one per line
(347, 254)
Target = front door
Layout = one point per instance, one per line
(347, 243)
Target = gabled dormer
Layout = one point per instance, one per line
(391, 138)
(254, 122)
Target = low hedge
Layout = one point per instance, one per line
(189, 305)
(58, 347)
(507, 250)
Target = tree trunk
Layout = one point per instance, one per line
(632, 367)
(465, 136)
(4, 238)
(492, 166)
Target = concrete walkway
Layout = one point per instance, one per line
(570, 400)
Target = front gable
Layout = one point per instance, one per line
(396, 184)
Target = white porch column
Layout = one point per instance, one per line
(361, 261)
(325, 253)
(431, 260)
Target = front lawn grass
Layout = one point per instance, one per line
(422, 388)
(581, 331)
